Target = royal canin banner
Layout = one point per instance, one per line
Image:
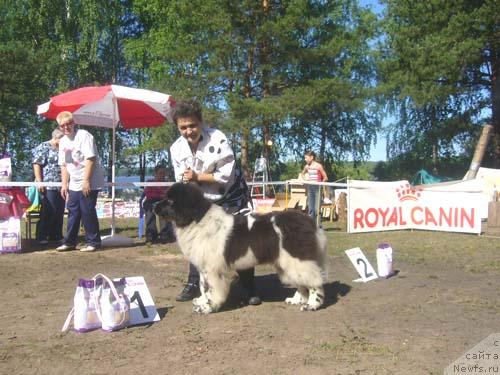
(381, 206)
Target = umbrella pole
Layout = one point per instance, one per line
(113, 222)
(113, 239)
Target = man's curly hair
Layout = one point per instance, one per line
(187, 108)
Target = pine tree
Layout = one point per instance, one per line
(441, 62)
(296, 73)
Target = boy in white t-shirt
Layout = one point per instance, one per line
(82, 177)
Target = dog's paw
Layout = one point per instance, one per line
(293, 301)
(202, 305)
(297, 299)
(202, 300)
(309, 307)
(203, 309)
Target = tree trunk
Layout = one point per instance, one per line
(264, 60)
(495, 96)
(435, 158)
(435, 145)
(322, 147)
(245, 132)
(245, 165)
(481, 146)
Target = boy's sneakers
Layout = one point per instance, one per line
(65, 247)
(88, 248)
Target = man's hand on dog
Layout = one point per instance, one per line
(189, 175)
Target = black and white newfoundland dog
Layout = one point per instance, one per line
(218, 244)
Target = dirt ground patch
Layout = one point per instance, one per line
(418, 322)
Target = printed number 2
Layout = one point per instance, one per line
(137, 296)
(367, 274)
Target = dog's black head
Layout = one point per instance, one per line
(183, 204)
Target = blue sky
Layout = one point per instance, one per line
(374, 4)
(378, 152)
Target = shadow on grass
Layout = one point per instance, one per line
(162, 312)
(127, 232)
(31, 246)
(270, 289)
(333, 229)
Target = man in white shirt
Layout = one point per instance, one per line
(82, 177)
(203, 155)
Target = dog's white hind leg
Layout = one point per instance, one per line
(307, 274)
(299, 298)
(316, 299)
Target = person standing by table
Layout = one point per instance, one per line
(46, 169)
(82, 178)
(315, 173)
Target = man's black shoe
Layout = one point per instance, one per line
(189, 292)
(254, 301)
(168, 240)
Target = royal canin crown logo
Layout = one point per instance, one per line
(408, 193)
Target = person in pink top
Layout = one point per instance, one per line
(152, 195)
(315, 172)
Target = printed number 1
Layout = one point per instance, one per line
(137, 296)
(367, 274)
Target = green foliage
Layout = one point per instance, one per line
(298, 71)
(305, 74)
(439, 63)
(354, 171)
(50, 47)
(288, 171)
(338, 172)
(404, 167)
(20, 83)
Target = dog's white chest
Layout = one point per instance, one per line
(204, 241)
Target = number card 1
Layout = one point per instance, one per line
(359, 261)
(142, 306)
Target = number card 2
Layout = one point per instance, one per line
(359, 261)
(142, 306)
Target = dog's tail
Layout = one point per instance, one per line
(322, 252)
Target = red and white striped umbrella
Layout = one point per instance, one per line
(106, 106)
